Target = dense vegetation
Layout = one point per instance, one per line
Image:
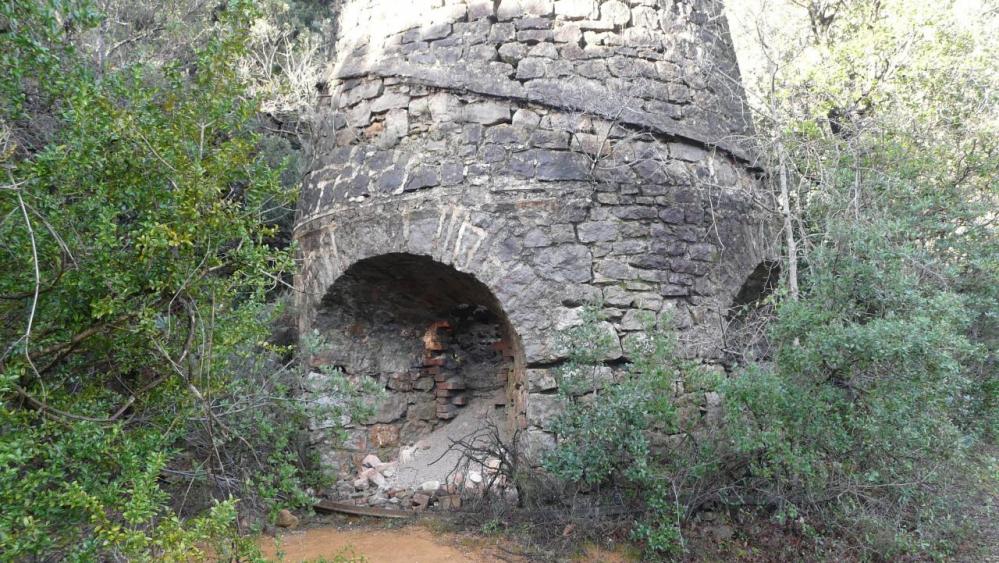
(148, 168)
(869, 426)
(141, 209)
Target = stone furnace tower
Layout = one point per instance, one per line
(487, 168)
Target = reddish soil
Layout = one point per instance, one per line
(411, 544)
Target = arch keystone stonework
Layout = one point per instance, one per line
(485, 169)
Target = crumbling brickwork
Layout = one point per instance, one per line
(558, 153)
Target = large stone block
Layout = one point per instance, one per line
(569, 262)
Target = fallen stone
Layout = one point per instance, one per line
(384, 435)
(387, 469)
(430, 486)
(420, 502)
(450, 502)
(285, 519)
(723, 532)
(343, 489)
(377, 479)
(361, 483)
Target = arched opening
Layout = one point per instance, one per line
(440, 345)
(747, 317)
(758, 285)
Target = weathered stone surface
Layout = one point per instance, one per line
(561, 165)
(509, 9)
(384, 436)
(285, 519)
(389, 100)
(522, 159)
(541, 380)
(597, 231)
(569, 262)
(574, 9)
(422, 177)
(543, 409)
(526, 118)
(615, 12)
(486, 113)
(389, 408)
(425, 410)
(536, 443)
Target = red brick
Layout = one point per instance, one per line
(432, 337)
(454, 383)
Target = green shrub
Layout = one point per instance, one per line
(854, 435)
(607, 433)
(860, 420)
(141, 407)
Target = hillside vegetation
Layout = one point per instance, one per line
(150, 154)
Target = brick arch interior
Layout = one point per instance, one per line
(435, 338)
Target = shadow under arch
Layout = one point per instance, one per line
(434, 337)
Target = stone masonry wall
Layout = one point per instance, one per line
(560, 152)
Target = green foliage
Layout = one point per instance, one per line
(262, 445)
(610, 423)
(602, 428)
(883, 383)
(142, 407)
(864, 415)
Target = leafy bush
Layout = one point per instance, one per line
(136, 381)
(610, 434)
(878, 123)
(855, 433)
(860, 420)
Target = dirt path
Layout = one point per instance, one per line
(412, 544)
(409, 544)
